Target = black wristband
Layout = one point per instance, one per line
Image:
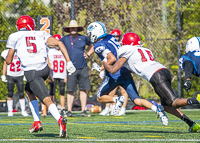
(87, 55)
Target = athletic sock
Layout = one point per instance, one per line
(22, 104)
(54, 111)
(35, 110)
(192, 101)
(154, 108)
(10, 105)
(107, 108)
(187, 120)
(62, 108)
(115, 99)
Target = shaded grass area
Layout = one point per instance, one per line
(135, 125)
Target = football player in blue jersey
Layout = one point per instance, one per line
(105, 46)
(190, 62)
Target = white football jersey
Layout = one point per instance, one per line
(31, 48)
(13, 69)
(58, 64)
(140, 60)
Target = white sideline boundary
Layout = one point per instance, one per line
(126, 111)
(100, 140)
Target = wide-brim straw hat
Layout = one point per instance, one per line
(73, 23)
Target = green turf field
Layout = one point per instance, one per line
(136, 126)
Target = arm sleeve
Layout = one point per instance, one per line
(46, 36)
(4, 54)
(189, 68)
(124, 53)
(11, 42)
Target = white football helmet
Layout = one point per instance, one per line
(192, 44)
(96, 30)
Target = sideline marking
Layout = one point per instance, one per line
(153, 136)
(101, 140)
(86, 137)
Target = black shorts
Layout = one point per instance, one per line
(35, 82)
(12, 80)
(161, 81)
(80, 77)
(52, 86)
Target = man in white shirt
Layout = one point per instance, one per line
(14, 76)
(31, 49)
(140, 60)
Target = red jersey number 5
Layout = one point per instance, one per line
(28, 43)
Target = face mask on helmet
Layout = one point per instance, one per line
(95, 31)
(192, 44)
(25, 22)
(131, 39)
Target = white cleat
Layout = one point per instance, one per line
(112, 107)
(161, 113)
(118, 105)
(122, 112)
(10, 114)
(105, 113)
(24, 113)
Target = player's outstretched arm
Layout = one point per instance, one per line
(52, 43)
(9, 57)
(114, 68)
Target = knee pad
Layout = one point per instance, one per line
(62, 90)
(10, 87)
(21, 95)
(62, 87)
(10, 94)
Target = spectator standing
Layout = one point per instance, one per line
(75, 44)
(14, 76)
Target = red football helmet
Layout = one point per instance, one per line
(57, 36)
(116, 32)
(25, 21)
(131, 39)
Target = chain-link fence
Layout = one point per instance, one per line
(155, 21)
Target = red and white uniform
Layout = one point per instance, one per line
(58, 64)
(14, 69)
(140, 60)
(31, 48)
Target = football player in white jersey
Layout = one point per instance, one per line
(14, 76)
(140, 60)
(31, 49)
(106, 48)
(58, 73)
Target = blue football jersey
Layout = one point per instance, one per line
(194, 57)
(109, 43)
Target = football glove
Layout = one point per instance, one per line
(187, 85)
(102, 74)
(96, 67)
(70, 68)
(3, 78)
